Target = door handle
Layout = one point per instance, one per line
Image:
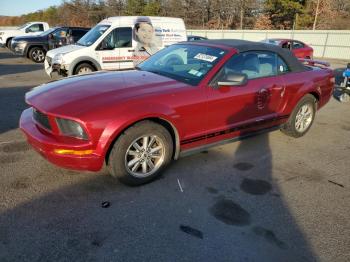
(131, 50)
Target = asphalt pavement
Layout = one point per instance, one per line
(266, 198)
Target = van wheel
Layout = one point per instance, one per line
(84, 68)
(301, 118)
(37, 54)
(140, 153)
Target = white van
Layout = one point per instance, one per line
(116, 43)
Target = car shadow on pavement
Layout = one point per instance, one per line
(6, 53)
(218, 205)
(12, 103)
(6, 69)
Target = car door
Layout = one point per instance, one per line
(124, 45)
(298, 49)
(233, 110)
(107, 53)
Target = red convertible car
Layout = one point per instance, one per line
(298, 48)
(187, 97)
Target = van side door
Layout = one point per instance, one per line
(113, 51)
(124, 44)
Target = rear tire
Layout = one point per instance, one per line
(302, 117)
(84, 68)
(37, 54)
(141, 153)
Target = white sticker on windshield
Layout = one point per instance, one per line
(193, 72)
(204, 57)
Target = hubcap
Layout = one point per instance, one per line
(304, 118)
(84, 70)
(144, 156)
(38, 55)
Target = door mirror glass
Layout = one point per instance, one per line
(233, 79)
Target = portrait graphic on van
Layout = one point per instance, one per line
(144, 35)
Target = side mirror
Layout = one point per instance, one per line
(104, 46)
(28, 30)
(233, 79)
(50, 36)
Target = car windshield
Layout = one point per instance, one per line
(185, 63)
(22, 26)
(272, 41)
(90, 37)
(48, 31)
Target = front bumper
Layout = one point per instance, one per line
(58, 68)
(45, 144)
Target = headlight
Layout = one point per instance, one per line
(21, 45)
(71, 128)
(58, 59)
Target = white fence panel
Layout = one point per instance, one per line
(326, 43)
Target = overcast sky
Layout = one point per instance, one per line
(20, 7)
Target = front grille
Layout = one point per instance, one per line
(49, 60)
(41, 118)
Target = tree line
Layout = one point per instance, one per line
(197, 14)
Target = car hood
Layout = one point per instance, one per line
(9, 31)
(64, 50)
(30, 38)
(77, 95)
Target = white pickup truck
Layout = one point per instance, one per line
(31, 28)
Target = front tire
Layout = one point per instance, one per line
(8, 43)
(301, 118)
(141, 153)
(37, 54)
(84, 68)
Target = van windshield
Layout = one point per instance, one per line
(90, 37)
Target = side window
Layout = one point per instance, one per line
(124, 37)
(297, 45)
(252, 64)
(35, 28)
(282, 67)
(286, 45)
(119, 37)
(60, 33)
(78, 33)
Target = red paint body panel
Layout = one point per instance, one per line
(105, 104)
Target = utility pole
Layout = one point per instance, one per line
(316, 14)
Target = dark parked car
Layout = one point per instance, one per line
(186, 97)
(195, 38)
(35, 47)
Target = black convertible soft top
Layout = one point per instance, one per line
(242, 46)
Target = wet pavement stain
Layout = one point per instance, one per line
(346, 128)
(191, 231)
(21, 183)
(212, 190)
(8, 159)
(269, 236)
(230, 213)
(243, 166)
(15, 147)
(255, 187)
